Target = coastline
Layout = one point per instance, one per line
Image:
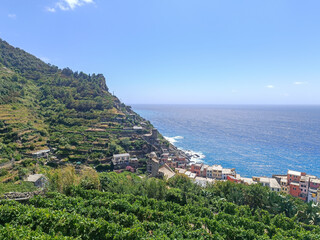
(258, 141)
(191, 155)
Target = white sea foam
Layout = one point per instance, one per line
(193, 155)
(173, 140)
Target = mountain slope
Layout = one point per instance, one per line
(72, 113)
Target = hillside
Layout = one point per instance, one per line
(124, 206)
(71, 113)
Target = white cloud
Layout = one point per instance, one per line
(11, 15)
(299, 83)
(49, 9)
(270, 86)
(66, 5)
(62, 6)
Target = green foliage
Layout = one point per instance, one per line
(17, 233)
(41, 104)
(130, 216)
(19, 187)
(129, 207)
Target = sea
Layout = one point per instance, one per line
(256, 140)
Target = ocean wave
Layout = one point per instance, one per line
(173, 140)
(193, 155)
(196, 157)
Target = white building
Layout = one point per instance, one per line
(41, 153)
(121, 159)
(313, 195)
(228, 172)
(203, 181)
(268, 182)
(209, 172)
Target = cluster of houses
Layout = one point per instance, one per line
(297, 184)
(300, 185)
(212, 172)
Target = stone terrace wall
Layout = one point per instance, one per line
(21, 195)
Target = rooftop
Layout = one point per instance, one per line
(315, 181)
(227, 171)
(248, 181)
(167, 172)
(217, 167)
(205, 166)
(34, 177)
(181, 170)
(203, 181)
(198, 165)
(295, 173)
(192, 175)
(274, 183)
(41, 151)
(294, 184)
(122, 155)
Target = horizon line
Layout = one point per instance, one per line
(232, 104)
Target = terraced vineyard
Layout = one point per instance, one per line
(71, 113)
(172, 214)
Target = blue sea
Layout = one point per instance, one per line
(256, 140)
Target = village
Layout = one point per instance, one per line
(166, 162)
(297, 184)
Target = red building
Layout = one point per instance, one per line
(196, 168)
(294, 176)
(181, 162)
(294, 189)
(233, 179)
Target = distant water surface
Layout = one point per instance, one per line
(256, 140)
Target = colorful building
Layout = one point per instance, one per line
(294, 176)
(196, 168)
(294, 189)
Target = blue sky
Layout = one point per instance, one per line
(178, 51)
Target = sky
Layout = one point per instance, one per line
(178, 51)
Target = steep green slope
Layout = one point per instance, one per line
(69, 112)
